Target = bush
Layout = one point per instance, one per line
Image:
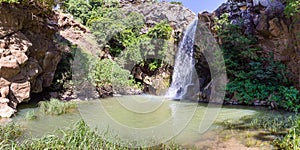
(108, 72)
(56, 107)
(79, 9)
(292, 7)
(176, 3)
(161, 30)
(290, 141)
(9, 1)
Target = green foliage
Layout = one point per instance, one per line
(79, 9)
(273, 122)
(291, 141)
(8, 134)
(161, 30)
(30, 115)
(176, 3)
(112, 27)
(9, 1)
(154, 64)
(292, 7)
(287, 97)
(285, 126)
(56, 107)
(124, 35)
(252, 77)
(79, 136)
(87, 11)
(108, 72)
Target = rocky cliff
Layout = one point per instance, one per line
(265, 19)
(28, 53)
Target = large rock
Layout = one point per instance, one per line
(6, 111)
(28, 54)
(10, 21)
(178, 16)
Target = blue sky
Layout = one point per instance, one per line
(201, 5)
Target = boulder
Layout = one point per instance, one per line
(21, 91)
(6, 111)
(28, 54)
(178, 16)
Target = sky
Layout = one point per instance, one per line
(201, 5)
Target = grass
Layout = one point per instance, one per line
(30, 115)
(285, 127)
(272, 122)
(9, 133)
(80, 136)
(56, 107)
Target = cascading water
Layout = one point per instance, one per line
(185, 84)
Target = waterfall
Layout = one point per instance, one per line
(185, 84)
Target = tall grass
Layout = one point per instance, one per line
(272, 122)
(79, 137)
(56, 107)
(290, 141)
(30, 115)
(9, 134)
(285, 126)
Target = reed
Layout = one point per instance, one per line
(56, 107)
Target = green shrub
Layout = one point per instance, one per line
(176, 3)
(108, 72)
(292, 7)
(161, 30)
(56, 107)
(9, 1)
(30, 115)
(291, 141)
(252, 77)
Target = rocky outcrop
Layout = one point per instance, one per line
(265, 19)
(28, 54)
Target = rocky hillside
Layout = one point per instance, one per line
(28, 53)
(265, 19)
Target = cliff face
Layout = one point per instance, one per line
(265, 19)
(28, 54)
